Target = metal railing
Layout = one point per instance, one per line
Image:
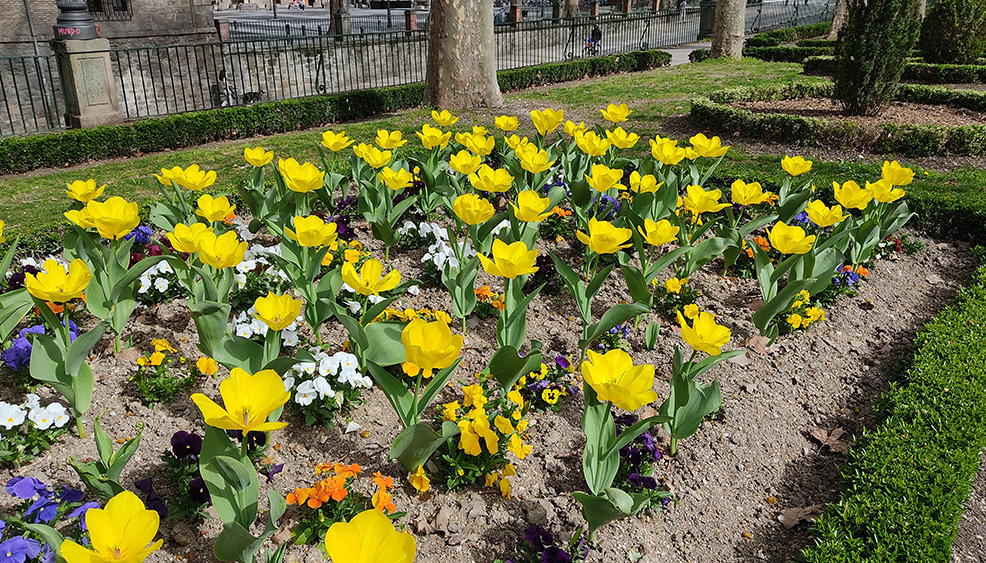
(110, 10)
(255, 30)
(791, 13)
(31, 98)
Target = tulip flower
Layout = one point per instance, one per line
(389, 139)
(591, 144)
(429, 346)
(616, 113)
(884, 191)
(335, 142)
(604, 238)
(257, 156)
(432, 137)
(547, 120)
(643, 184)
(369, 537)
(602, 178)
(531, 207)
(704, 335)
(2, 238)
(534, 160)
(795, 165)
(84, 191)
(698, 200)
(369, 280)
(395, 180)
(480, 144)
(507, 123)
(621, 139)
(121, 532)
(709, 148)
(57, 285)
(277, 311)
(224, 251)
(372, 155)
(824, 216)
(661, 232)
(166, 175)
(895, 174)
(301, 178)
(184, 237)
(444, 118)
(465, 163)
(790, 240)
(487, 179)
(515, 142)
(248, 400)
(748, 194)
(191, 178)
(572, 129)
(80, 217)
(510, 261)
(113, 218)
(313, 232)
(473, 209)
(214, 209)
(667, 151)
(851, 196)
(614, 378)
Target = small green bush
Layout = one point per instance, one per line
(775, 38)
(699, 55)
(817, 43)
(954, 32)
(785, 54)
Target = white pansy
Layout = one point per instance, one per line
(10, 415)
(353, 306)
(42, 418)
(329, 365)
(323, 388)
(240, 280)
(145, 284)
(244, 330)
(289, 338)
(374, 299)
(288, 383)
(32, 401)
(161, 284)
(305, 393)
(414, 290)
(59, 414)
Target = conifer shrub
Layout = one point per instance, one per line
(954, 32)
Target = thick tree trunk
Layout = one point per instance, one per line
(571, 9)
(461, 70)
(728, 29)
(839, 17)
(922, 8)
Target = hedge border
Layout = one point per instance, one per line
(786, 54)
(906, 140)
(74, 146)
(776, 37)
(923, 72)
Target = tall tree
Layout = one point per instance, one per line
(461, 70)
(728, 29)
(839, 16)
(571, 9)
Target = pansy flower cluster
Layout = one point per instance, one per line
(248, 325)
(40, 505)
(541, 548)
(44, 424)
(674, 294)
(164, 374)
(183, 472)
(488, 302)
(637, 460)
(256, 274)
(802, 313)
(325, 384)
(17, 356)
(546, 388)
(159, 285)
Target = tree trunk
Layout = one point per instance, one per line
(461, 70)
(922, 8)
(571, 9)
(839, 16)
(728, 29)
(668, 4)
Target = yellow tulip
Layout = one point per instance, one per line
(257, 156)
(534, 160)
(851, 196)
(57, 285)
(748, 194)
(616, 113)
(472, 209)
(604, 238)
(480, 144)
(395, 180)
(369, 281)
(389, 139)
(658, 233)
(704, 335)
(621, 139)
(224, 251)
(113, 218)
(531, 207)
(667, 151)
(572, 129)
(895, 174)
(248, 399)
(510, 261)
(516, 142)
(313, 232)
(432, 137)
(709, 148)
(277, 311)
(122, 532)
(214, 209)
(698, 201)
(824, 216)
(369, 537)
(2, 238)
(614, 378)
(602, 178)
(547, 120)
(166, 175)
(372, 155)
(507, 123)
(790, 240)
(301, 178)
(429, 346)
(795, 165)
(643, 184)
(591, 144)
(184, 237)
(488, 180)
(465, 163)
(335, 142)
(84, 191)
(443, 119)
(884, 191)
(192, 178)
(80, 217)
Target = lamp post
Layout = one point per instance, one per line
(74, 21)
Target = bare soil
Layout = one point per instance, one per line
(897, 112)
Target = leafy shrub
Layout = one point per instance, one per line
(954, 32)
(785, 54)
(698, 55)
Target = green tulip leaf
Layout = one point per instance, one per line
(507, 366)
(396, 391)
(14, 306)
(385, 347)
(612, 317)
(651, 333)
(611, 504)
(415, 444)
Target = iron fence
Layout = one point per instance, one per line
(255, 30)
(31, 99)
(790, 13)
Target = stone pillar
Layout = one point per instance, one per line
(556, 11)
(410, 20)
(516, 12)
(626, 6)
(90, 91)
(341, 19)
(222, 27)
(655, 5)
(595, 9)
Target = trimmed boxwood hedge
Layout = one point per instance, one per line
(21, 154)
(920, 71)
(785, 54)
(906, 140)
(775, 38)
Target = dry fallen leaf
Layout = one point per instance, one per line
(831, 439)
(442, 520)
(423, 526)
(758, 343)
(743, 359)
(790, 517)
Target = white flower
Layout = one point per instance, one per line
(323, 388)
(414, 290)
(244, 330)
(59, 414)
(145, 284)
(329, 365)
(259, 327)
(367, 382)
(305, 393)
(288, 383)
(346, 288)
(308, 368)
(42, 418)
(289, 338)
(164, 267)
(406, 228)
(353, 427)
(161, 284)
(32, 401)
(353, 306)
(503, 224)
(374, 299)
(347, 361)
(240, 280)
(10, 415)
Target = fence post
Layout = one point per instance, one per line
(707, 18)
(516, 12)
(655, 5)
(595, 9)
(410, 20)
(222, 27)
(626, 6)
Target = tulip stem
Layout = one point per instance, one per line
(78, 424)
(673, 450)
